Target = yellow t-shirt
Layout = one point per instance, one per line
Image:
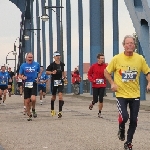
(126, 74)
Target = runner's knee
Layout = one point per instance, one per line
(133, 121)
(53, 97)
(33, 98)
(60, 96)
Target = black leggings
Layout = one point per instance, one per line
(134, 104)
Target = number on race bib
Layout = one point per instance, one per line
(129, 76)
(99, 81)
(29, 84)
(57, 82)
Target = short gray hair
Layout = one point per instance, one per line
(128, 36)
(27, 54)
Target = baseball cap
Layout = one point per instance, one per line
(56, 54)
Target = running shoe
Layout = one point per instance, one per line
(34, 113)
(53, 113)
(24, 111)
(41, 102)
(121, 134)
(59, 115)
(3, 104)
(9, 94)
(127, 146)
(99, 115)
(90, 106)
(30, 117)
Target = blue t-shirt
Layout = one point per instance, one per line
(30, 71)
(44, 76)
(4, 77)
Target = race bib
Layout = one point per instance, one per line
(29, 84)
(19, 80)
(129, 76)
(99, 81)
(57, 82)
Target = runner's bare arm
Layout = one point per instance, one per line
(63, 75)
(148, 79)
(108, 77)
(21, 76)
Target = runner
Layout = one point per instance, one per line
(11, 74)
(76, 79)
(4, 78)
(56, 70)
(127, 67)
(20, 85)
(42, 84)
(30, 72)
(96, 76)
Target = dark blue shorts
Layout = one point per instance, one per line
(41, 88)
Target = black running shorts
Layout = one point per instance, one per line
(30, 91)
(20, 84)
(3, 87)
(56, 89)
(10, 83)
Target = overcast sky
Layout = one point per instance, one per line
(10, 26)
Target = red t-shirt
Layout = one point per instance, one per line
(96, 75)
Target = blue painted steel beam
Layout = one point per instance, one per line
(27, 26)
(68, 29)
(58, 27)
(43, 35)
(95, 35)
(27, 33)
(22, 41)
(38, 33)
(115, 28)
(95, 46)
(145, 39)
(28, 10)
(61, 35)
(139, 11)
(32, 27)
(21, 4)
(142, 77)
(102, 26)
(80, 16)
(50, 32)
(137, 3)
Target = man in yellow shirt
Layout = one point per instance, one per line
(127, 67)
